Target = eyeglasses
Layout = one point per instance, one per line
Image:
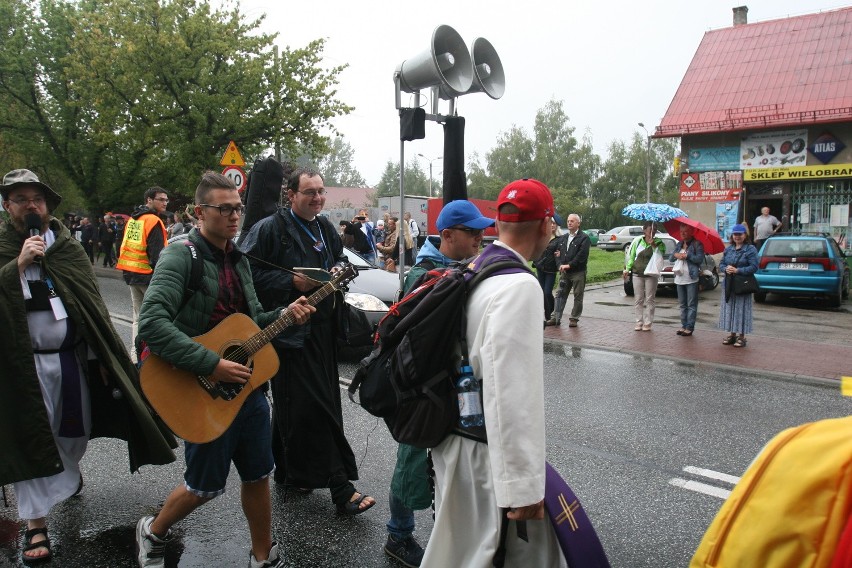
(163, 199)
(312, 194)
(23, 201)
(225, 210)
(469, 231)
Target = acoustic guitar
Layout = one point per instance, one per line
(200, 410)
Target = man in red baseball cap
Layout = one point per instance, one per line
(474, 481)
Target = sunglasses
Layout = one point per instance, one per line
(469, 231)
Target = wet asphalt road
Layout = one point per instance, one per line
(621, 429)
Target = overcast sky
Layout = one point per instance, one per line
(614, 63)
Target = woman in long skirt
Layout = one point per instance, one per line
(735, 314)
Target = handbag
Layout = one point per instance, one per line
(680, 268)
(743, 284)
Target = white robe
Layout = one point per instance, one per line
(473, 480)
(37, 496)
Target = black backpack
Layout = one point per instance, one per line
(195, 283)
(409, 378)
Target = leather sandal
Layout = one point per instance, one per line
(352, 508)
(730, 339)
(28, 538)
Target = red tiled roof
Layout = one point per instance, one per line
(769, 74)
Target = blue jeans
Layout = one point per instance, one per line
(547, 281)
(687, 299)
(401, 523)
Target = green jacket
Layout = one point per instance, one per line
(26, 439)
(167, 331)
(631, 253)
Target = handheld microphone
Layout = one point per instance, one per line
(33, 222)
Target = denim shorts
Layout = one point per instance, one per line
(247, 442)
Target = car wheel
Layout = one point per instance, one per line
(760, 297)
(628, 287)
(625, 247)
(715, 279)
(835, 300)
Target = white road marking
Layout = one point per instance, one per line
(120, 319)
(699, 487)
(732, 479)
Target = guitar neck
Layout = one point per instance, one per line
(286, 319)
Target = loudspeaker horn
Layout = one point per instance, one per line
(488, 70)
(446, 64)
(488, 73)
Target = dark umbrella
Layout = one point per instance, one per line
(705, 235)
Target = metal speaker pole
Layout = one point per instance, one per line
(446, 63)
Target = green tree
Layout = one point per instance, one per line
(512, 157)
(125, 94)
(553, 155)
(623, 180)
(480, 185)
(337, 166)
(415, 182)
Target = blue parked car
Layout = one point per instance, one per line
(803, 265)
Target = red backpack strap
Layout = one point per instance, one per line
(843, 553)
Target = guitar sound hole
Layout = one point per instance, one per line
(229, 391)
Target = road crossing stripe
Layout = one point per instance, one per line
(732, 479)
(699, 487)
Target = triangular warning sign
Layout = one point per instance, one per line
(232, 156)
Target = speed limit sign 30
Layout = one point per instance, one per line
(237, 175)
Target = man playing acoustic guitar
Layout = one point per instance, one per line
(167, 322)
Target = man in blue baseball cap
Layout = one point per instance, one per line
(461, 226)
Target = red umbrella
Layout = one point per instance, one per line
(706, 236)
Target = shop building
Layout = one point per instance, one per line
(764, 114)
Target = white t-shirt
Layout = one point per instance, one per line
(765, 226)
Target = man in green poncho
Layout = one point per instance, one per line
(66, 376)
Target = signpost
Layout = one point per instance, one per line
(236, 175)
(233, 162)
(232, 156)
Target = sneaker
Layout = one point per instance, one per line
(274, 561)
(646, 327)
(638, 327)
(150, 549)
(572, 323)
(406, 550)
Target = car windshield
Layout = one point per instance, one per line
(812, 248)
(356, 259)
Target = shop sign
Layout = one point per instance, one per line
(714, 159)
(799, 172)
(773, 149)
(826, 147)
(711, 186)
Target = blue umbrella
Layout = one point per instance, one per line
(657, 212)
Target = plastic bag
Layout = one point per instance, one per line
(653, 268)
(680, 268)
